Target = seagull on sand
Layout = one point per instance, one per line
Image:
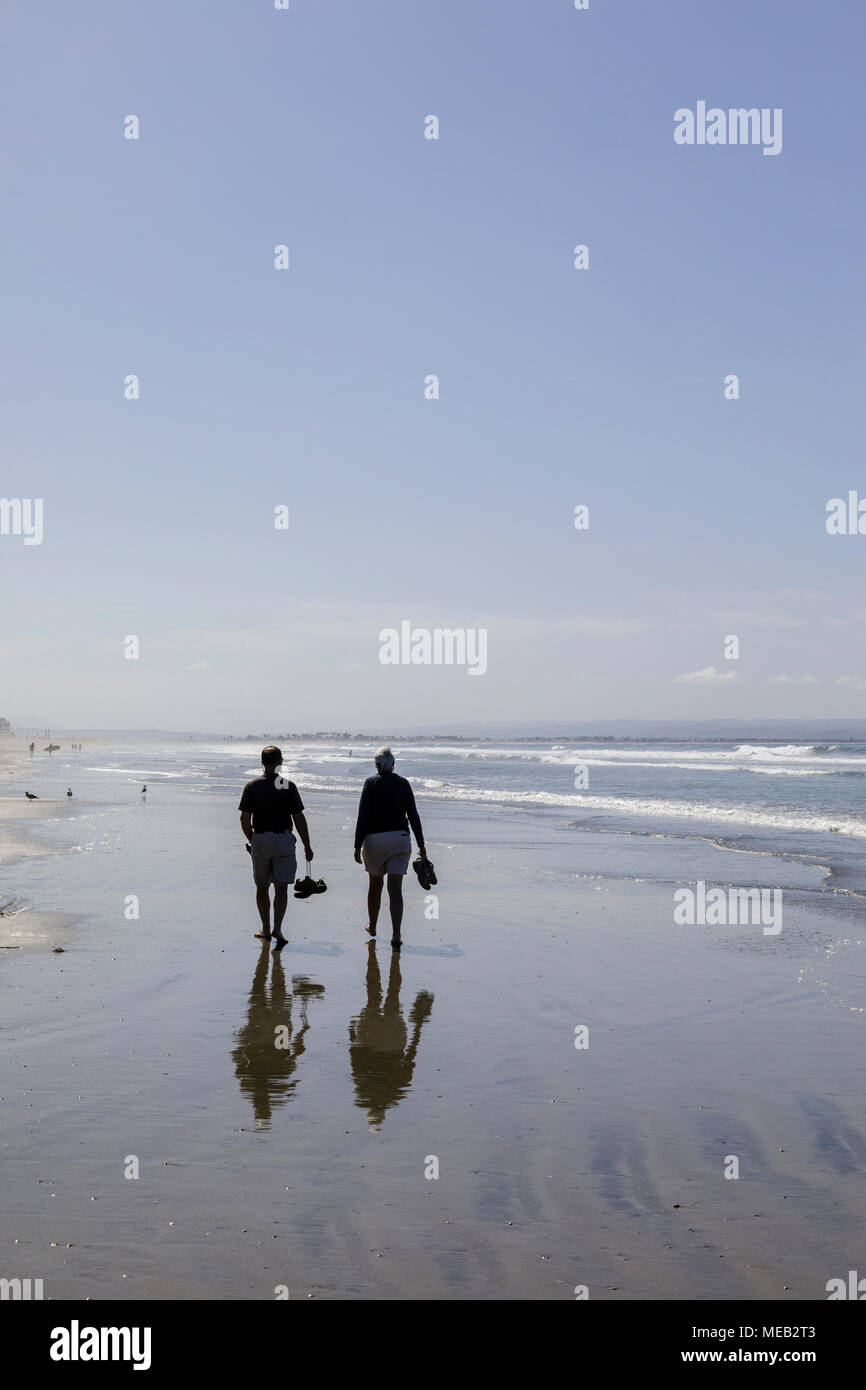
(31, 796)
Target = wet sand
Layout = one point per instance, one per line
(150, 1045)
(21, 924)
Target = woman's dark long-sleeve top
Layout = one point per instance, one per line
(387, 802)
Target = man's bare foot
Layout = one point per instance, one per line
(280, 942)
(371, 931)
(263, 935)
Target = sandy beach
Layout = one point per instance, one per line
(22, 924)
(148, 1046)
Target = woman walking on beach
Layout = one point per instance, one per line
(386, 810)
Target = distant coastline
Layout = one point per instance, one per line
(780, 731)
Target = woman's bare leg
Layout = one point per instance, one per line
(395, 902)
(374, 901)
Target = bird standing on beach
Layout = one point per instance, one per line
(69, 791)
(31, 796)
(144, 791)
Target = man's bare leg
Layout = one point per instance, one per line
(395, 902)
(263, 903)
(281, 898)
(374, 901)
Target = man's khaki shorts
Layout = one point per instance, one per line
(387, 852)
(273, 856)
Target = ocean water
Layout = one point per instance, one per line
(802, 802)
(778, 787)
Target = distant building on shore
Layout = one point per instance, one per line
(5, 726)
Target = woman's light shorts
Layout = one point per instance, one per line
(386, 852)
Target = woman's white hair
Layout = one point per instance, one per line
(384, 759)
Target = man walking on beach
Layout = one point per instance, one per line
(268, 806)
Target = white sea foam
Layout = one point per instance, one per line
(752, 756)
(141, 772)
(592, 759)
(635, 755)
(746, 754)
(541, 776)
(623, 806)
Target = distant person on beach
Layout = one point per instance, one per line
(269, 805)
(386, 810)
(32, 749)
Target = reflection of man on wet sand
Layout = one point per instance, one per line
(268, 1048)
(382, 1064)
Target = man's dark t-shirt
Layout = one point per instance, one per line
(387, 801)
(272, 807)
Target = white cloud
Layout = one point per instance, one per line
(792, 680)
(708, 676)
(854, 682)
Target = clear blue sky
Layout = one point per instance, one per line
(411, 257)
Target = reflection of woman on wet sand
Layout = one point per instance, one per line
(263, 1067)
(382, 1064)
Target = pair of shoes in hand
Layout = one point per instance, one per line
(306, 887)
(425, 871)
